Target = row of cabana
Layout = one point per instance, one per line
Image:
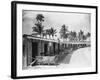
(36, 46)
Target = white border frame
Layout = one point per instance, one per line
(21, 72)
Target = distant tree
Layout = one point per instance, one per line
(88, 34)
(53, 32)
(80, 35)
(84, 37)
(63, 31)
(44, 33)
(66, 36)
(48, 32)
(72, 36)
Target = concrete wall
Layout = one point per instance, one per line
(27, 52)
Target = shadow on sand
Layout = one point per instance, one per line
(64, 57)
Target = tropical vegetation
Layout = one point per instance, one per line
(64, 32)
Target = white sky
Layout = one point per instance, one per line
(74, 21)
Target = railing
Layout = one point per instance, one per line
(76, 42)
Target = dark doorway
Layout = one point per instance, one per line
(54, 48)
(45, 48)
(59, 48)
(34, 50)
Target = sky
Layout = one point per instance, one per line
(74, 21)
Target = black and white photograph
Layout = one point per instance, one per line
(55, 39)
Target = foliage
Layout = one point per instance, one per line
(53, 32)
(88, 34)
(80, 35)
(40, 18)
(63, 32)
(72, 36)
(48, 32)
(39, 28)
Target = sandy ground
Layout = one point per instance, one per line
(78, 58)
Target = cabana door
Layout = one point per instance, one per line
(34, 50)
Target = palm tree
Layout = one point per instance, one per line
(88, 34)
(70, 36)
(38, 25)
(84, 37)
(74, 35)
(80, 35)
(39, 28)
(53, 32)
(40, 18)
(44, 33)
(48, 32)
(63, 31)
